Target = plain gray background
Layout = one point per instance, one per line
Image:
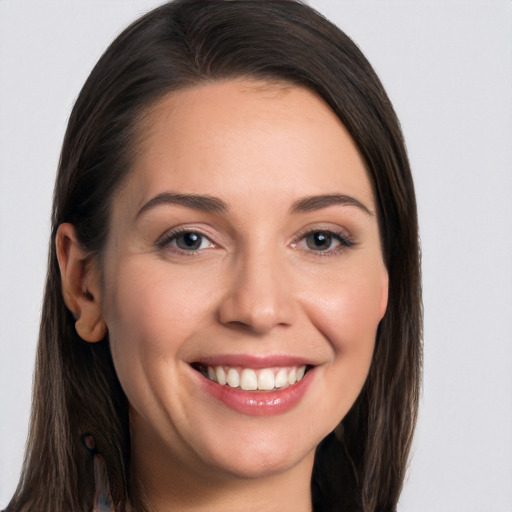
(447, 67)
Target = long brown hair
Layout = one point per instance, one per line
(361, 466)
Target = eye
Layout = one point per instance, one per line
(320, 241)
(323, 241)
(185, 240)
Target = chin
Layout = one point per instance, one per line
(260, 454)
(259, 464)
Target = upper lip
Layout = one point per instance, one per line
(254, 361)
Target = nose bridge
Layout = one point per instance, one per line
(258, 297)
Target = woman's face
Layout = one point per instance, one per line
(244, 247)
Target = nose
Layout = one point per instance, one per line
(259, 297)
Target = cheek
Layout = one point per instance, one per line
(347, 312)
(150, 315)
(150, 300)
(349, 307)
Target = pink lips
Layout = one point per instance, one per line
(256, 403)
(259, 403)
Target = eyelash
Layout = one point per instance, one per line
(344, 242)
(172, 236)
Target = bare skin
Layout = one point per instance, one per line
(251, 270)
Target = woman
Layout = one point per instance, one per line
(232, 313)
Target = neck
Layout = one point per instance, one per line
(276, 493)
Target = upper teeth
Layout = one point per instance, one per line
(248, 379)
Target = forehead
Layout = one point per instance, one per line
(224, 138)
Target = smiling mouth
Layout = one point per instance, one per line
(248, 379)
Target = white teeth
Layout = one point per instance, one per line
(233, 378)
(248, 380)
(221, 375)
(281, 379)
(266, 380)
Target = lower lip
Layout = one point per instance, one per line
(259, 403)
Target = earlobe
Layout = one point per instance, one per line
(91, 332)
(81, 285)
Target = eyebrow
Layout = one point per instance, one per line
(313, 203)
(212, 204)
(203, 203)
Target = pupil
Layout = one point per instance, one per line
(319, 240)
(189, 241)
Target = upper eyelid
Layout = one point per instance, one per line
(338, 232)
(344, 241)
(173, 233)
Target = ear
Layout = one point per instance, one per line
(81, 285)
